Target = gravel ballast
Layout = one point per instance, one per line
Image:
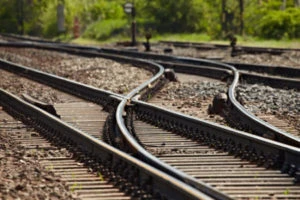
(260, 99)
(21, 175)
(290, 58)
(18, 86)
(191, 97)
(98, 72)
(188, 97)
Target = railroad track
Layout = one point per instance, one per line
(196, 45)
(254, 78)
(242, 49)
(18, 38)
(263, 151)
(115, 168)
(236, 177)
(277, 76)
(86, 116)
(221, 71)
(213, 70)
(76, 170)
(274, 70)
(185, 68)
(201, 136)
(286, 128)
(68, 166)
(194, 96)
(97, 170)
(239, 165)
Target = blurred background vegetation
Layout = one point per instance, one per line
(104, 19)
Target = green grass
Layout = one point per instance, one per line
(245, 41)
(252, 41)
(193, 37)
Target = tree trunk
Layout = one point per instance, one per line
(259, 2)
(241, 17)
(20, 16)
(223, 18)
(283, 6)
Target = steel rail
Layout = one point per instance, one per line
(241, 48)
(41, 76)
(175, 43)
(78, 89)
(85, 91)
(292, 72)
(220, 136)
(170, 61)
(144, 155)
(26, 39)
(121, 110)
(144, 174)
(35, 73)
(285, 156)
(245, 118)
(263, 152)
(276, 70)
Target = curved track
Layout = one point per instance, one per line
(185, 65)
(246, 119)
(131, 117)
(115, 162)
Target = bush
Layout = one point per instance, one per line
(103, 29)
(275, 24)
(280, 24)
(175, 16)
(295, 13)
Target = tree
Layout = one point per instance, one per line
(175, 16)
(8, 21)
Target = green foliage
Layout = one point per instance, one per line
(276, 24)
(175, 16)
(106, 10)
(100, 19)
(269, 20)
(19, 16)
(212, 18)
(88, 12)
(104, 29)
(48, 22)
(8, 21)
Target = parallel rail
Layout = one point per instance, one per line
(246, 49)
(246, 119)
(274, 70)
(159, 184)
(219, 168)
(264, 151)
(182, 63)
(85, 179)
(248, 146)
(195, 66)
